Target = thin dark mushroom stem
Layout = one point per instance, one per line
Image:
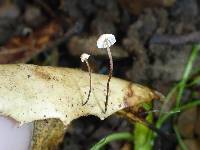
(89, 70)
(109, 76)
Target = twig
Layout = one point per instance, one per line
(44, 6)
(76, 29)
(190, 38)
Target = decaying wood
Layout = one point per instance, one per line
(47, 134)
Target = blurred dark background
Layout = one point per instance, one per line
(154, 41)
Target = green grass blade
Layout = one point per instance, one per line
(142, 134)
(186, 73)
(180, 141)
(112, 137)
(194, 82)
(142, 137)
(164, 117)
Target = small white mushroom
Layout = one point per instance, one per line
(84, 58)
(106, 41)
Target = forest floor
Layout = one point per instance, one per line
(154, 44)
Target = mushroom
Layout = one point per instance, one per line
(106, 41)
(84, 58)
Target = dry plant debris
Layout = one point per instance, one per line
(21, 49)
(135, 7)
(30, 92)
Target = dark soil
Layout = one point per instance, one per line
(144, 52)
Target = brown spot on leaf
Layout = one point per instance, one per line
(42, 74)
(129, 93)
(54, 78)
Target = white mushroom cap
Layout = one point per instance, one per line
(84, 57)
(106, 40)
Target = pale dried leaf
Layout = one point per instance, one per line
(30, 92)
